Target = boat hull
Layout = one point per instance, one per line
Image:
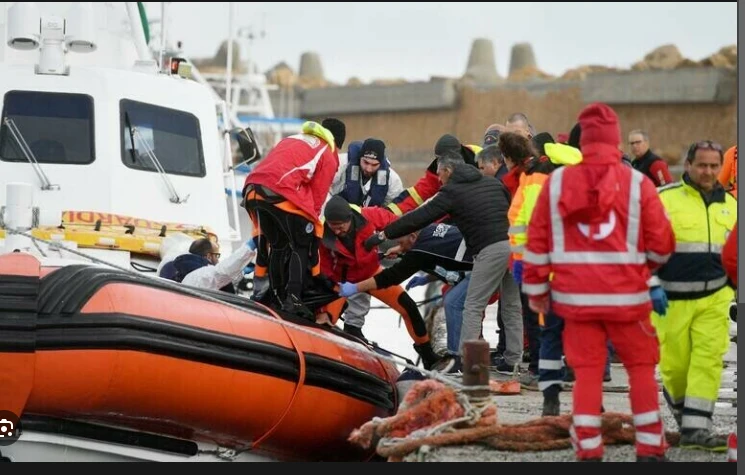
(87, 344)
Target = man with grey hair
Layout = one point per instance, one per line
(518, 122)
(647, 162)
(477, 205)
(491, 162)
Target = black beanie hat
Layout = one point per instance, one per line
(574, 136)
(373, 149)
(337, 209)
(445, 143)
(337, 129)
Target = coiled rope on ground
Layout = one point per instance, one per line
(433, 414)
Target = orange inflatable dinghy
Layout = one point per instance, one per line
(87, 351)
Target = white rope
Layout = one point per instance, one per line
(196, 293)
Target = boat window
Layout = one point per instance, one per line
(57, 127)
(171, 135)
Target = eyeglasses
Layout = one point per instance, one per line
(704, 145)
(216, 254)
(708, 145)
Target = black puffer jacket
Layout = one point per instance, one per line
(476, 204)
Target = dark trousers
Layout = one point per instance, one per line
(533, 331)
(286, 242)
(550, 365)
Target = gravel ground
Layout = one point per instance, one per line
(527, 406)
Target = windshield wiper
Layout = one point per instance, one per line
(29, 154)
(136, 135)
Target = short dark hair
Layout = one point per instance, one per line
(201, 247)
(704, 145)
(491, 153)
(337, 129)
(516, 147)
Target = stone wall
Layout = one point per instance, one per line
(410, 136)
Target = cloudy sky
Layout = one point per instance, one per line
(414, 41)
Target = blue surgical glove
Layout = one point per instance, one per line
(347, 289)
(249, 269)
(517, 271)
(251, 244)
(417, 281)
(659, 300)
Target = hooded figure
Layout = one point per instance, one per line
(599, 143)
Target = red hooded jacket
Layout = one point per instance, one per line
(300, 168)
(599, 227)
(729, 255)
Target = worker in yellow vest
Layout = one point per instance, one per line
(694, 332)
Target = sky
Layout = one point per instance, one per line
(415, 41)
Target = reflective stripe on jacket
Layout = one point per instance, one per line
(531, 184)
(600, 269)
(695, 269)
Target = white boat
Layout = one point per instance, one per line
(108, 153)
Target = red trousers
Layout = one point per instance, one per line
(637, 347)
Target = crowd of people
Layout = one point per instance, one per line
(592, 254)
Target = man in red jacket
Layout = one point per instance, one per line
(345, 260)
(600, 228)
(284, 196)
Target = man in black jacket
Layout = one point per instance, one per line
(478, 205)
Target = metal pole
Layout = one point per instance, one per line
(138, 32)
(163, 32)
(231, 37)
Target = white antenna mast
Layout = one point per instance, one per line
(229, 72)
(163, 31)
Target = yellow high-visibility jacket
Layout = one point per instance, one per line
(695, 269)
(531, 183)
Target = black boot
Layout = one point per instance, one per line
(429, 357)
(354, 331)
(551, 403)
(293, 305)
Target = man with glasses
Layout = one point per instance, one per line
(647, 162)
(202, 267)
(694, 332)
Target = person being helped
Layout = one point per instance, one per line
(440, 251)
(478, 205)
(599, 228)
(202, 266)
(345, 260)
(694, 332)
(284, 196)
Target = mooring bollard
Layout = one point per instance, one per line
(476, 367)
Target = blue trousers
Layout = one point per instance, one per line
(454, 300)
